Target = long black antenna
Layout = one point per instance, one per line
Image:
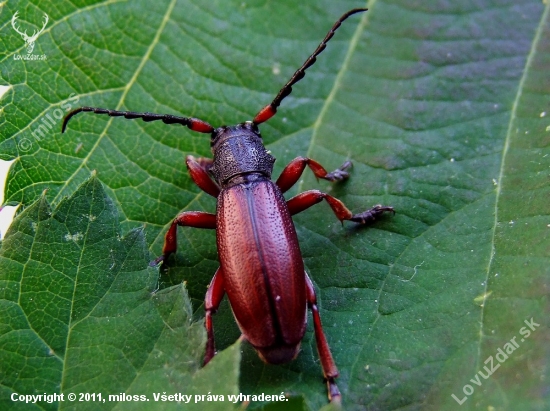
(269, 111)
(194, 124)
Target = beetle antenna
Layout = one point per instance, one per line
(269, 111)
(192, 123)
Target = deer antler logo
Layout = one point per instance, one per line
(29, 40)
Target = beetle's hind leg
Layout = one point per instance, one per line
(327, 362)
(309, 198)
(212, 301)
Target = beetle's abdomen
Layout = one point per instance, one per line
(262, 267)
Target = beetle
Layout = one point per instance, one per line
(261, 267)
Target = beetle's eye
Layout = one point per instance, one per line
(216, 134)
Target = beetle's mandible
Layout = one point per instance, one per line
(261, 267)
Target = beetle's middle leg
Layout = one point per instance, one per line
(196, 219)
(212, 301)
(292, 172)
(309, 198)
(327, 362)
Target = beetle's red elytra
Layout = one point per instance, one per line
(261, 267)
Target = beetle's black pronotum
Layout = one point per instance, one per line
(261, 267)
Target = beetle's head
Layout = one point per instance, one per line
(223, 133)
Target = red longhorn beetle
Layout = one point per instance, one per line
(261, 267)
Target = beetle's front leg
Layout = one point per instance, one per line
(327, 362)
(306, 199)
(292, 172)
(198, 169)
(212, 301)
(196, 219)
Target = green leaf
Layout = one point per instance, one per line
(442, 107)
(81, 313)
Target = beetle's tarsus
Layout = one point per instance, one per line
(334, 395)
(340, 173)
(157, 261)
(371, 215)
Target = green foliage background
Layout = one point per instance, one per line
(444, 108)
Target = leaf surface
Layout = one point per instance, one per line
(442, 108)
(81, 314)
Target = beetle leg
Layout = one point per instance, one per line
(306, 199)
(292, 172)
(198, 169)
(327, 362)
(212, 301)
(196, 219)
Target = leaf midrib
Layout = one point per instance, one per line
(506, 146)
